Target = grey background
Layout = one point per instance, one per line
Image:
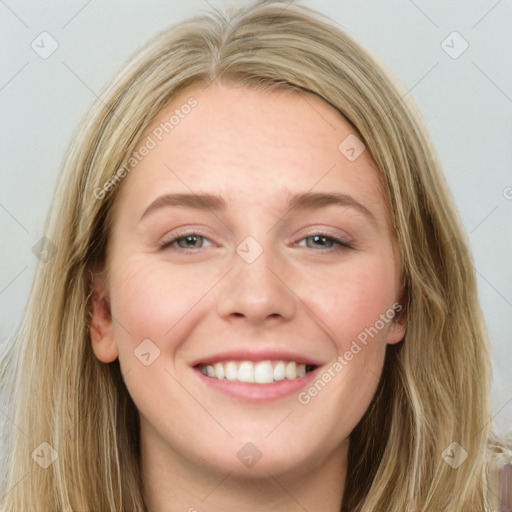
(466, 103)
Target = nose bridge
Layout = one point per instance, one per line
(253, 289)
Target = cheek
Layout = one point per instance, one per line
(150, 301)
(353, 300)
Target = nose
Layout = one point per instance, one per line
(256, 291)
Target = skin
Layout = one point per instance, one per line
(251, 148)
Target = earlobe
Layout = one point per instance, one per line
(396, 332)
(101, 326)
(398, 325)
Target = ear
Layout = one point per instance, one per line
(396, 331)
(101, 326)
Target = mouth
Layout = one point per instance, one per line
(251, 376)
(261, 372)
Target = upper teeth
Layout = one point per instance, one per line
(263, 372)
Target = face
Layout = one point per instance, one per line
(246, 245)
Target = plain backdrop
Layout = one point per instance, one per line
(462, 84)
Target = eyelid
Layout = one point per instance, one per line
(339, 244)
(341, 238)
(171, 237)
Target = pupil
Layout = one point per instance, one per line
(320, 240)
(189, 241)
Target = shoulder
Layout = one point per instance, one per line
(498, 468)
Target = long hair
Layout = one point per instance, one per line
(435, 384)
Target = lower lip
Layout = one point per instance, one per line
(253, 392)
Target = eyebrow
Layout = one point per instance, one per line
(304, 201)
(196, 201)
(317, 200)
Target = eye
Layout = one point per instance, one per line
(192, 241)
(324, 242)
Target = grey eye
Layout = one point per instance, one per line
(319, 242)
(190, 242)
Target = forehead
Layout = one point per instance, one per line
(250, 146)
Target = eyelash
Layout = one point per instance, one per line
(341, 244)
(166, 244)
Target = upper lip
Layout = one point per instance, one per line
(255, 356)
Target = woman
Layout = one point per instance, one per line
(261, 292)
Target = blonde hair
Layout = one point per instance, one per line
(435, 384)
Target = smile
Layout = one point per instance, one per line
(263, 372)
